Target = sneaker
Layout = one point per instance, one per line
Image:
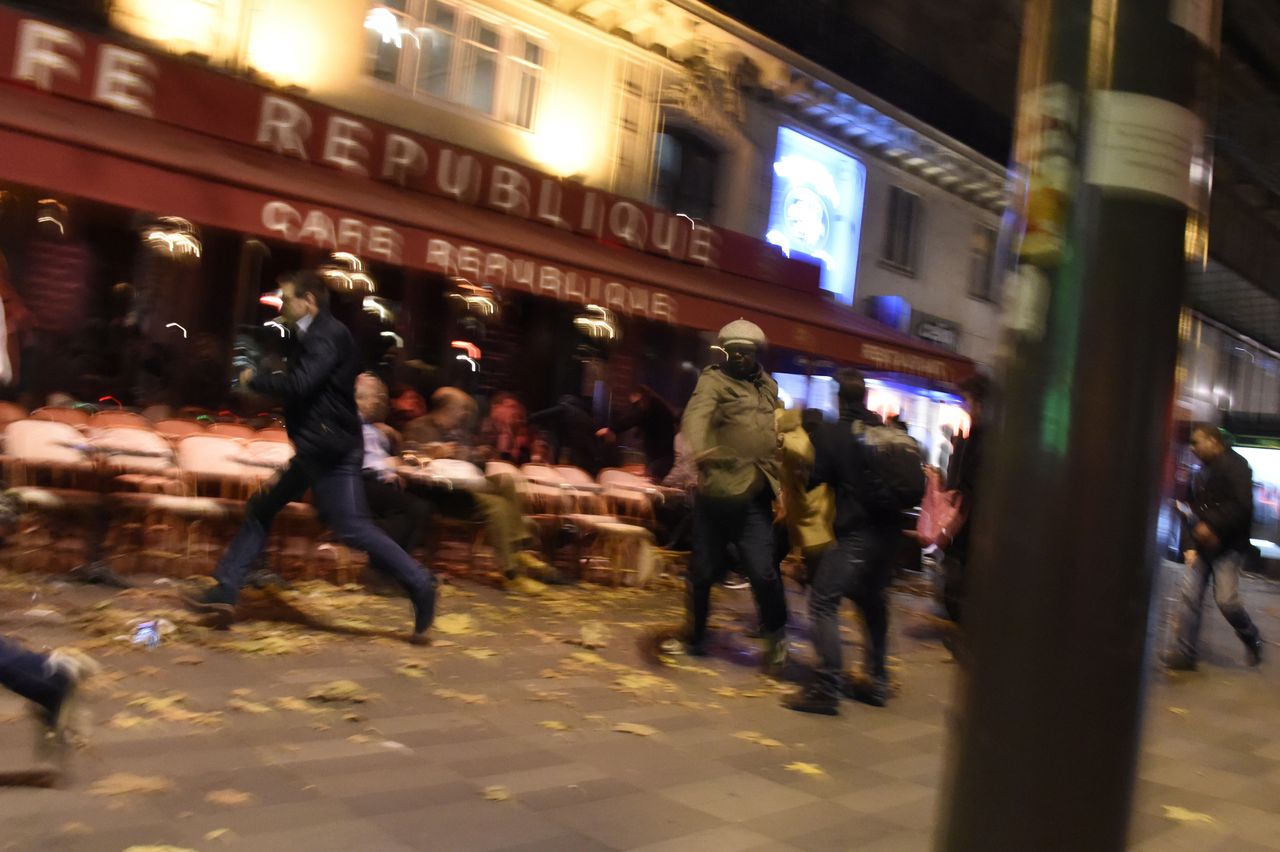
(267, 580)
(1179, 662)
(873, 691)
(735, 581)
(68, 669)
(814, 699)
(1253, 651)
(219, 604)
(774, 658)
(676, 645)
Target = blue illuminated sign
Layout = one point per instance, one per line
(816, 212)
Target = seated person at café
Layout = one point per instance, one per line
(446, 433)
(401, 515)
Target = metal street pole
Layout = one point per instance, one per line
(1108, 171)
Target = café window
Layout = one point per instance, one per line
(457, 53)
(902, 233)
(688, 168)
(982, 270)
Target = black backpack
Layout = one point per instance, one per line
(897, 467)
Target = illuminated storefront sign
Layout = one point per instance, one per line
(816, 212)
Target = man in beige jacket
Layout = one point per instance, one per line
(729, 423)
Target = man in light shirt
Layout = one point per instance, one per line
(401, 515)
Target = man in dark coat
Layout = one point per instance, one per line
(1221, 516)
(320, 413)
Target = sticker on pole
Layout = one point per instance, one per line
(1142, 144)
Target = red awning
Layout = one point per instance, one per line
(94, 153)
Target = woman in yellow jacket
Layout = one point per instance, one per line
(809, 513)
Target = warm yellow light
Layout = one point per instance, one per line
(181, 26)
(566, 142)
(284, 47)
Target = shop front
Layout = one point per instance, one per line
(113, 140)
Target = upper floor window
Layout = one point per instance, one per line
(457, 53)
(688, 171)
(902, 233)
(982, 264)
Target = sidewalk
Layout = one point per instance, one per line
(505, 736)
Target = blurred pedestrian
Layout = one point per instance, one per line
(654, 418)
(857, 566)
(320, 413)
(51, 682)
(506, 430)
(729, 423)
(1220, 516)
(962, 478)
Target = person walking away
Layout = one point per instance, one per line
(872, 484)
(729, 423)
(1221, 510)
(962, 478)
(318, 391)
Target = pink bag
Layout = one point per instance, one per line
(941, 515)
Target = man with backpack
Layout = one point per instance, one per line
(874, 475)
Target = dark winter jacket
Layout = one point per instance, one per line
(1222, 497)
(841, 461)
(318, 390)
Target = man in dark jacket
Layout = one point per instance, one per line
(656, 421)
(857, 567)
(324, 425)
(1222, 510)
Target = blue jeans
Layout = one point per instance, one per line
(338, 489)
(747, 522)
(23, 672)
(855, 567)
(1224, 569)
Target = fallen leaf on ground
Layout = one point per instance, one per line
(552, 725)
(417, 672)
(124, 721)
(634, 728)
(1178, 814)
(341, 690)
(464, 697)
(243, 706)
(124, 783)
(453, 624)
(552, 674)
(497, 794)
(242, 692)
(216, 833)
(230, 798)
(188, 661)
(359, 738)
(1179, 711)
(639, 683)
(758, 738)
(811, 769)
(353, 717)
(295, 704)
(75, 828)
(528, 586)
(594, 634)
(480, 653)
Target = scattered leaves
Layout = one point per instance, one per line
(75, 828)
(1179, 711)
(453, 624)
(124, 783)
(295, 704)
(216, 834)
(552, 674)
(552, 725)
(188, 661)
(480, 653)
(125, 721)
(758, 738)
(230, 798)
(635, 728)
(359, 738)
(497, 793)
